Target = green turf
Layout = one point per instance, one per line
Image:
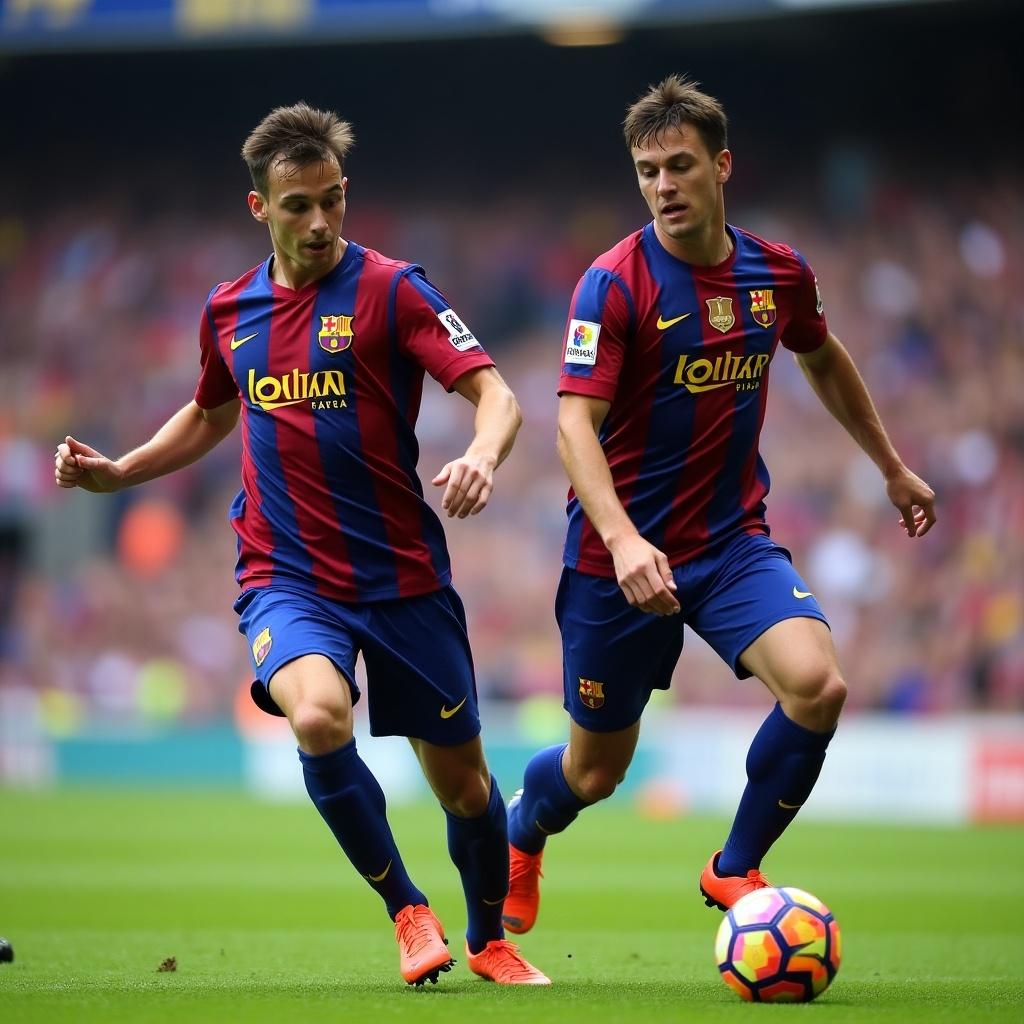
(268, 923)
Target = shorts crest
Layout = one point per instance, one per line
(261, 646)
(592, 693)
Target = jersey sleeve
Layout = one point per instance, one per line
(806, 329)
(216, 385)
(594, 344)
(431, 333)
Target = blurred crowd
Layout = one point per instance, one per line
(117, 609)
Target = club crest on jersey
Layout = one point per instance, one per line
(720, 314)
(762, 305)
(592, 693)
(335, 333)
(261, 647)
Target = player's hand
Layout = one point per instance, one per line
(467, 483)
(78, 465)
(644, 575)
(915, 500)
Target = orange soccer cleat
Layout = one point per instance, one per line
(422, 947)
(723, 891)
(500, 961)
(523, 899)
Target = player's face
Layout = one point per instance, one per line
(304, 211)
(682, 183)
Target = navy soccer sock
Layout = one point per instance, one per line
(479, 849)
(783, 764)
(352, 803)
(547, 806)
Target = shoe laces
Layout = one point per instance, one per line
(415, 929)
(757, 879)
(505, 956)
(524, 867)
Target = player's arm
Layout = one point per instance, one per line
(469, 480)
(641, 569)
(835, 379)
(187, 436)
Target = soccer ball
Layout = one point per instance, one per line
(778, 946)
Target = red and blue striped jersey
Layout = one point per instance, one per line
(330, 378)
(682, 354)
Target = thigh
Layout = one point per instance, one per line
(313, 682)
(792, 658)
(419, 669)
(608, 751)
(745, 590)
(613, 655)
(283, 625)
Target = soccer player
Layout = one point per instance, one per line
(323, 348)
(663, 387)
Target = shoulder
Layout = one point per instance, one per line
(376, 264)
(229, 291)
(783, 258)
(620, 258)
(619, 266)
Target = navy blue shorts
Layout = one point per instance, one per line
(614, 655)
(419, 668)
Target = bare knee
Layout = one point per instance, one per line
(817, 702)
(594, 782)
(321, 727)
(467, 794)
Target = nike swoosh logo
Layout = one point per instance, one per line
(801, 594)
(789, 807)
(382, 875)
(238, 342)
(539, 826)
(448, 712)
(664, 324)
(494, 903)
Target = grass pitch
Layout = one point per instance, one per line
(267, 922)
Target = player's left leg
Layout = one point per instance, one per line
(478, 846)
(477, 834)
(758, 613)
(796, 660)
(421, 684)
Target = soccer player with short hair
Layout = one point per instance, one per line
(322, 348)
(663, 388)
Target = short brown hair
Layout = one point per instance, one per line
(671, 103)
(297, 134)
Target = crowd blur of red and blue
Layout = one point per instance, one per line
(489, 150)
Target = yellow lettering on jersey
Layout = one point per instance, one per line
(294, 387)
(698, 375)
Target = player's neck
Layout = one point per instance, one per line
(289, 274)
(705, 250)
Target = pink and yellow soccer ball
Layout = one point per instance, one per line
(778, 946)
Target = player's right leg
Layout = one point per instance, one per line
(304, 658)
(316, 699)
(558, 783)
(613, 657)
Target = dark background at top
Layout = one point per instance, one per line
(470, 116)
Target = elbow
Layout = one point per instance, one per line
(562, 443)
(517, 413)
